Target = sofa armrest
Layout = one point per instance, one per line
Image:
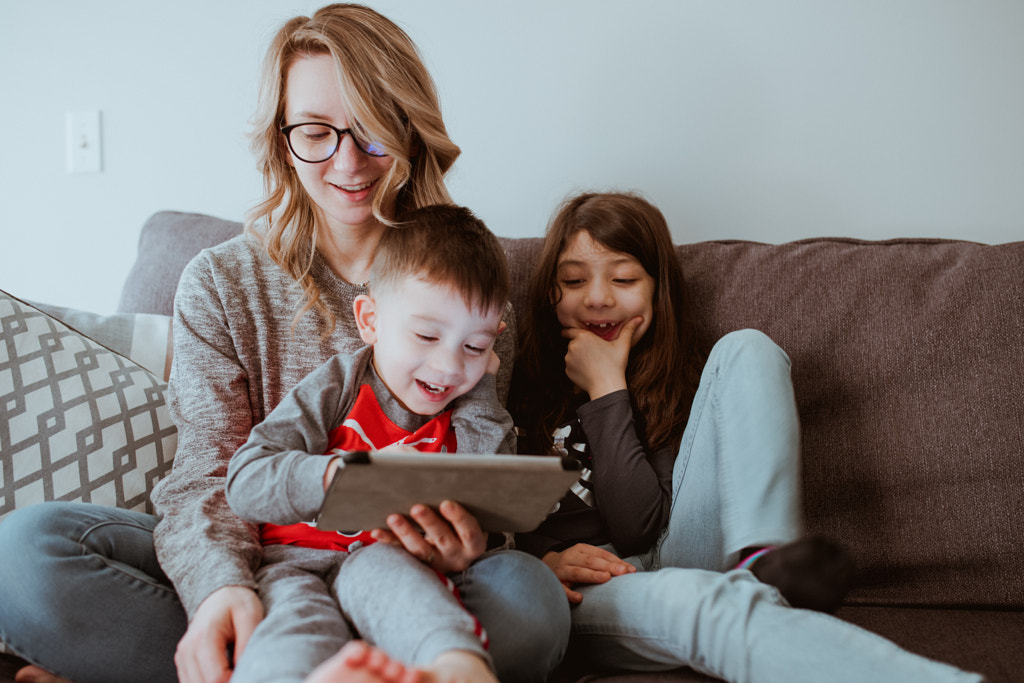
(168, 241)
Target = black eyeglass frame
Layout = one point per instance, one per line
(340, 132)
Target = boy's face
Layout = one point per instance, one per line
(430, 346)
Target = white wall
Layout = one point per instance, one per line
(769, 120)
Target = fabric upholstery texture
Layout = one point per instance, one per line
(909, 382)
(168, 241)
(143, 337)
(78, 422)
(906, 364)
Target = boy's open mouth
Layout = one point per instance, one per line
(432, 388)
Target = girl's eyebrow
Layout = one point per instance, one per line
(614, 262)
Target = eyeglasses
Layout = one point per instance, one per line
(315, 143)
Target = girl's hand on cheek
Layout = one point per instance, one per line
(586, 564)
(494, 362)
(596, 366)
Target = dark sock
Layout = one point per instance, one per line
(811, 573)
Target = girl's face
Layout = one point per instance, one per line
(344, 185)
(601, 289)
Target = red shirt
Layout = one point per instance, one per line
(365, 428)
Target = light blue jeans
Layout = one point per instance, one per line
(736, 484)
(82, 595)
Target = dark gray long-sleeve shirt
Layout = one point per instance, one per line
(626, 493)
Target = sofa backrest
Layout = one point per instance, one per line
(908, 365)
(168, 241)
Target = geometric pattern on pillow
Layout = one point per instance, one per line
(143, 337)
(78, 422)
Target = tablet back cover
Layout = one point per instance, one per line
(504, 492)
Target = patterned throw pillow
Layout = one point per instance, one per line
(143, 337)
(78, 422)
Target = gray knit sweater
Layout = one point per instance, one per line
(236, 354)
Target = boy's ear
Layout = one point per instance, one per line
(365, 309)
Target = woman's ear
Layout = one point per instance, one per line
(365, 309)
(282, 141)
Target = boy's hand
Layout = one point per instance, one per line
(587, 564)
(449, 543)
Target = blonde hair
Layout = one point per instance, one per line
(387, 92)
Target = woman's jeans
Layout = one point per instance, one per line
(82, 595)
(736, 485)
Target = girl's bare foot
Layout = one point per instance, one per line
(33, 674)
(358, 662)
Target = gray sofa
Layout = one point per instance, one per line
(908, 365)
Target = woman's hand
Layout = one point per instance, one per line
(586, 564)
(596, 366)
(450, 542)
(226, 618)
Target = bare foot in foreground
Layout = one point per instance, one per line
(33, 674)
(358, 662)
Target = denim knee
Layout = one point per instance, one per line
(748, 346)
(529, 632)
(26, 534)
(30, 551)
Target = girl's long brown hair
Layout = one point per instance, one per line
(664, 367)
(387, 92)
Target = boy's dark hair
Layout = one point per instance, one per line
(448, 245)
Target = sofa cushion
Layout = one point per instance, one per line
(143, 337)
(168, 241)
(78, 422)
(909, 381)
(907, 365)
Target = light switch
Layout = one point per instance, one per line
(83, 141)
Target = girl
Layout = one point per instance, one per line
(690, 469)
(349, 138)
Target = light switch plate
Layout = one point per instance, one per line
(84, 146)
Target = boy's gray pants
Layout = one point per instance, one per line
(318, 600)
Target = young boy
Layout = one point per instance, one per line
(426, 380)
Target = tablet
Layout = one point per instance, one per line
(503, 492)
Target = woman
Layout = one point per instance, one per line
(349, 136)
